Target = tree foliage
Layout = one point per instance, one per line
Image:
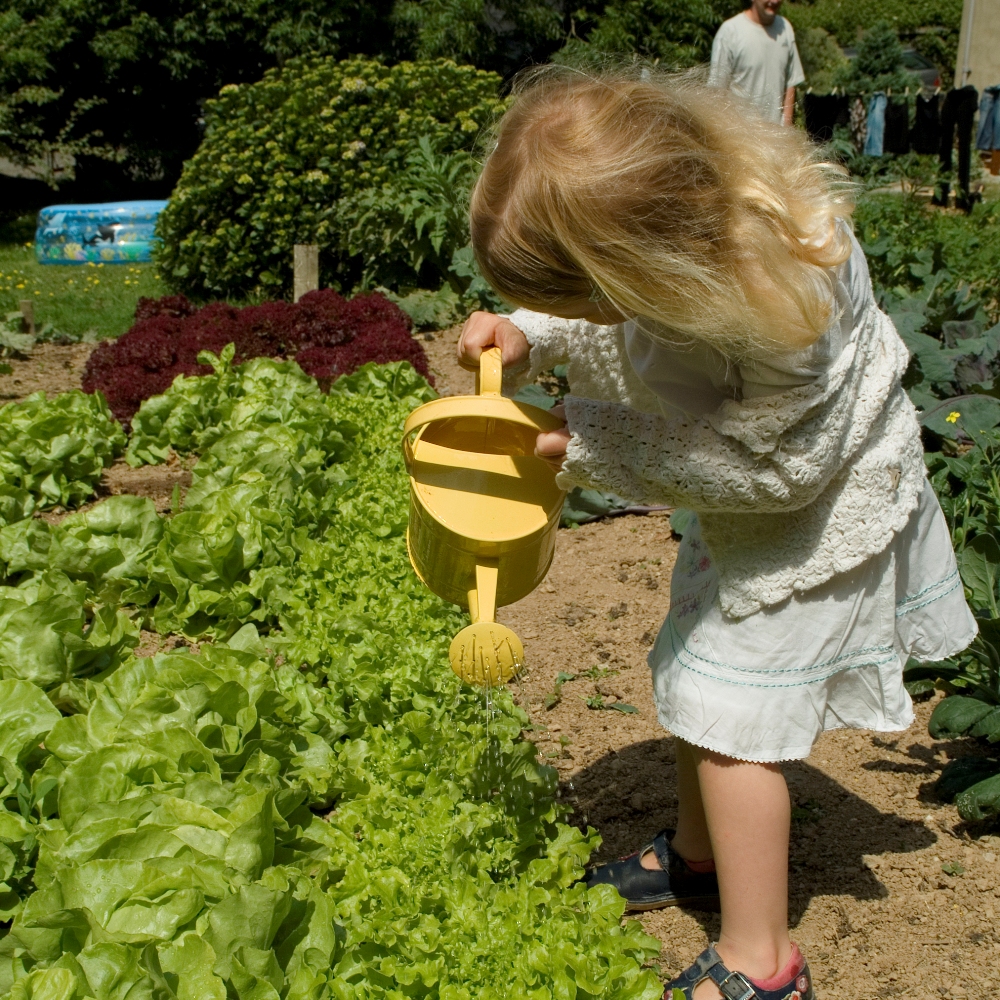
(501, 36)
(930, 26)
(126, 78)
(675, 33)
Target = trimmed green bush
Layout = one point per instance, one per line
(278, 154)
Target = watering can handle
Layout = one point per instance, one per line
(490, 404)
(489, 378)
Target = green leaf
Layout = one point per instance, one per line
(26, 716)
(536, 396)
(976, 416)
(954, 716)
(979, 563)
(981, 801)
(958, 775)
(190, 960)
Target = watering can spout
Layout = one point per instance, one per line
(483, 514)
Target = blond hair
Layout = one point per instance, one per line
(670, 199)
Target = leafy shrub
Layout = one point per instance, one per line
(878, 64)
(407, 231)
(128, 80)
(279, 153)
(327, 334)
(954, 379)
(823, 61)
(905, 242)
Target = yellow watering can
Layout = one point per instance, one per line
(483, 514)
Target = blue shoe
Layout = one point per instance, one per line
(736, 986)
(673, 884)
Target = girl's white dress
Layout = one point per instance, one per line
(765, 686)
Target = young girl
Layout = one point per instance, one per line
(694, 267)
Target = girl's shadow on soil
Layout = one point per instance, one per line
(630, 795)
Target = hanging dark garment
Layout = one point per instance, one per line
(823, 112)
(897, 128)
(956, 121)
(988, 136)
(925, 136)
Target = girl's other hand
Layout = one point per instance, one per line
(483, 330)
(550, 446)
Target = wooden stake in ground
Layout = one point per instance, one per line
(27, 307)
(306, 269)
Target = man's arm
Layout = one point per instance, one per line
(788, 108)
(719, 72)
(794, 78)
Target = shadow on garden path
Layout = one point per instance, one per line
(832, 830)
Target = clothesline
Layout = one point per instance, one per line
(844, 92)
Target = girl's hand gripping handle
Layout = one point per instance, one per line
(483, 330)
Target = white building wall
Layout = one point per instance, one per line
(979, 45)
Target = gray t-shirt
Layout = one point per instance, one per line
(759, 63)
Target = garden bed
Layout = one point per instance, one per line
(871, 904)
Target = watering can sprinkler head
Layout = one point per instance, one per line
(485, 653)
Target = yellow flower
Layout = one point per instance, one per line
(953, 416)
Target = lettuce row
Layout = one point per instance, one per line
(311, 805)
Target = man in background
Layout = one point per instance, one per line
(754, 54)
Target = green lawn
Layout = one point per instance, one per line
(79, 300)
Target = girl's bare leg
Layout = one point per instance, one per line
(748, 813)
(691, 841)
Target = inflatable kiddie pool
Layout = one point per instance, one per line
(118, 232)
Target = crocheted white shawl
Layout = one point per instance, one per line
(790, 489)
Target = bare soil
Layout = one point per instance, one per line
(52, 368)
(871, 907)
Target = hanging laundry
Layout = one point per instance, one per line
(957, 113)
(897, 128)
(925, 137)
(875, 139)
(858, 124)
(988, 134)
(823, 113)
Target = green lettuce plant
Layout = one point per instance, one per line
(54, 450)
